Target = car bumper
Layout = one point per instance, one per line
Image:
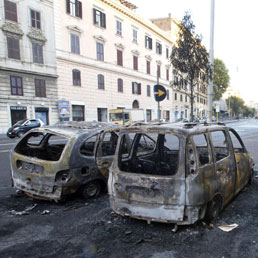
(11, 134)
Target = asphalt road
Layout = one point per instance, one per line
(90, 229)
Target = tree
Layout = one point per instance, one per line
(220, 78)
(189, 57)
(236, 105)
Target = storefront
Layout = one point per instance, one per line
(18, 113)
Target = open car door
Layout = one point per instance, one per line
(106, 150)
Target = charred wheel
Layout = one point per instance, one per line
(91, 189)
(213, 209)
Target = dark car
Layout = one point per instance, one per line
(23, 126)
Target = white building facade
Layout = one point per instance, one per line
(27, 62)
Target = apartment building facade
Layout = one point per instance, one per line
(109, 57)
(27, 62)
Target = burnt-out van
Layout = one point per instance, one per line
(56, 161)
(177, 173)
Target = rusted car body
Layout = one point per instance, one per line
(177, 173)
(56, 161)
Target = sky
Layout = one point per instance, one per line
(235, 34)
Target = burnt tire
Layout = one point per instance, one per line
(20, 134)
(251, 177)
(213, 210)
(91, 190)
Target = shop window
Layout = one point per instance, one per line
(78, 113)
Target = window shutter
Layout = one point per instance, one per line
(160, 49)
(133, 87)
(78, 9)
(94, 16)
(103, 20)
(68, 6)
(150, 39)
(139, 89)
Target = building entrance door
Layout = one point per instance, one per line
(17, 114)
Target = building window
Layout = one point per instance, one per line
(148, 115)
(148, 42)
(119, 85)
(148, 91)
(16, 85)
(158, 48)
(148, 67)
(167, 52)
(136, 104)
(40, 88)
(10, 11)
(35, 19)
(76, 77)
(185, 98)
(135, 63)
(167, 94)
(100, 51)
(136, 88)
(37, 52)
(101, 82)
(75, 44)
(118, 27)
(158, 71)
(175, 96)
(167, 74)
(13, 46)
(78, 112)
(99, 18)
(119, 57)
(181, 97)
(74, 7)
(135, 35)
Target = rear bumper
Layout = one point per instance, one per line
(177, 214)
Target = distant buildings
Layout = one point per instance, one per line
(76, 60)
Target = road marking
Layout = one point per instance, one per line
(5, 150)
(3, 144)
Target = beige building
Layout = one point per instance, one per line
(27, 62)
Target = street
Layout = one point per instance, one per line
(90, 229)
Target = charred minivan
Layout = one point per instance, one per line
(56, 161)
(177, 173)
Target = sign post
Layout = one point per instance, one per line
(159, 95)
(217, 111)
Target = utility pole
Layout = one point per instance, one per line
(210, 88)
(159, 117)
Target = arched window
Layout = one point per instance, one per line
(101, 83)
(76, 77)
(119, 85)
(136, 104)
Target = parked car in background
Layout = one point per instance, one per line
(56, 161)
(22, 127)
(178, 173)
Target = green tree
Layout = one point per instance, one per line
(220, 78)
(236, 105)
(189, 58)
(248, 112)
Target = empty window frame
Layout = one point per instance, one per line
(10, 10)
(220, 144)
(135, 63)
(202, 149)
(35, 19)
(16, 85)
(101, 82)
(120, 85)
(148, 42)
(75, 44)
(119, 57)
(135, 35)
(13, 46)
(40, 88)
(74, 7)
(148, 91)
(100, 51)
(99, 18)
(76, 77)
(37, 52)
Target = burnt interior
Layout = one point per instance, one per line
(43, 146)
(146, 155)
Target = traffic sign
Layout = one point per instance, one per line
(159, 92)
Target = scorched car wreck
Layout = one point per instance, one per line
(177, 173)
(56, 161)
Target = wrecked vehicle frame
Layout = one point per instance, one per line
(56, 161)
(178, 173)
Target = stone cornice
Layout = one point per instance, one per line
(12, 28)
(99, 38)
(74, 28)
(121, 46)
(37, 35)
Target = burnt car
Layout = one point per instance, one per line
(178, 173)
(23, 126)
(56, 161)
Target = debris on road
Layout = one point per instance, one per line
(25, 212)
(228, 228)
(44, 212)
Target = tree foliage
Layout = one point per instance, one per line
(236, 105)
(220, 78)
(189, 57)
